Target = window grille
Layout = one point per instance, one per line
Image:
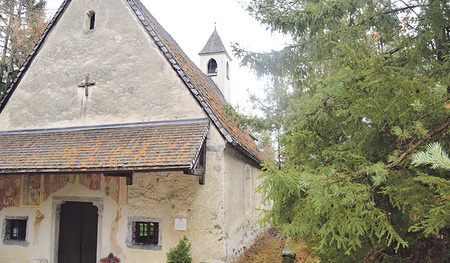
(15, 229)
(146, 233)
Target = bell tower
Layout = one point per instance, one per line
(215, 63)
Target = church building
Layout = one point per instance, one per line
(113, 141)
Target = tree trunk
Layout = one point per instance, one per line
(15, 26)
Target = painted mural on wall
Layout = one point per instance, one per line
(112, 188)
(54, 182)
(31, 194)
(32, 189)
(9, 191)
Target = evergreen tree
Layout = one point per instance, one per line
(21, 24)
(368, 86)
(181, 253)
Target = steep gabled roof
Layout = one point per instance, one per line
(201, 87)
(214, 45)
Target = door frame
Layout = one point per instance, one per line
(57, 202)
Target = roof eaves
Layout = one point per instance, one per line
(252, 157)
(199, 151)
(12, 87)
(147, 147)
(95, 170)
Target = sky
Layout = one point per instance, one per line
(191, 23)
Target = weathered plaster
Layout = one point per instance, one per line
(217, 225)
(16, 252)
(241, 227)
(119, 57)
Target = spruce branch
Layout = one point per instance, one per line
(434, 156)
(393, 164)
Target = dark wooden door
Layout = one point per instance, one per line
(78, 233)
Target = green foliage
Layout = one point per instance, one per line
(181, 253)
(438, 217)
(434, 156)
(365, 86)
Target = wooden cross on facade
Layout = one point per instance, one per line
(87, 82)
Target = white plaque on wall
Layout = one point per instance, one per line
(180, 223)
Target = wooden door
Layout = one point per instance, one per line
(78, 233)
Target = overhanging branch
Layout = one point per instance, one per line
(396, 162)
(393, 164)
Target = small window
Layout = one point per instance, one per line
(15, 231)
(91, 19)
(228, 71)
(212, 67)
(144, 233)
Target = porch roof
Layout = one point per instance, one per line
(138, 146)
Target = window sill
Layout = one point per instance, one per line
(144, 247)
(129, 241)
(15, 242)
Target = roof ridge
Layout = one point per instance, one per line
(110, 126)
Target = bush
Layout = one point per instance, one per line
(181, 253)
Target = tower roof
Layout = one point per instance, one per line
(214, 45)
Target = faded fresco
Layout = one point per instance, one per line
(9, 191)
(33, 189)
(112, 188)
(54, 182)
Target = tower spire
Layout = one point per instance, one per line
(215, 62)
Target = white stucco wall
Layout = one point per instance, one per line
(134, 82)
(221, 79)
(241, 224)
(174, 195)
